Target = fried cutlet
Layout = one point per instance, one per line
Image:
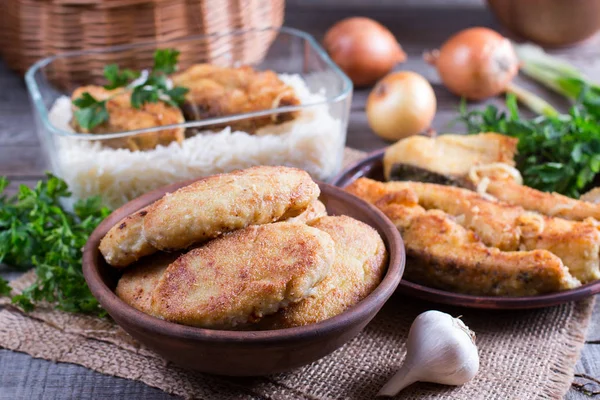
(445, 254)
(511, 228)
(219, 91)
(122, 116)
(360, 261)
(226, 202)
(136, 285)
(553, 204)
(242, 276)
(451, 156)
(125, 243)
(315, 211)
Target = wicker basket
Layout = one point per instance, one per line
(33, 29)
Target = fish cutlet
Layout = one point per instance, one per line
(240, 277)
(446, 255)
(226, 202)
(122, 116)
(359, 265)
(136, 285)
(315, 211)
(125, 243)
(216, 91)
(508, 227)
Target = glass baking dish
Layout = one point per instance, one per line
(91, 165)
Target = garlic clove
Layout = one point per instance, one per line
(439, 349)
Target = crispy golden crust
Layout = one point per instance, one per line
(124, 117)
(449, 256)
(576, 243)
(218, 91)
(242, 276)
(360, 261)
(139, 281)
(451, 155)
(512, 228)
(124, 243)
(315, 210)
(445, 255)
(552, 204)
(223, 203)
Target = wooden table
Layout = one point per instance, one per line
(21, 159)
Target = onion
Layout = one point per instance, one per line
(475, 63)
(400, 105)
(364, 49)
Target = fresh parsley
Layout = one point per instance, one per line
(90, 112)
(35, 230)
(118, 77)
(555, 153)
(154, 88)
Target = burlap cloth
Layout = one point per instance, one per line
(524, 354)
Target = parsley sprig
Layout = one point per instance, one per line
(555, 153)
(35, 230)
(155, 87)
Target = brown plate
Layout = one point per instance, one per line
(372, 167)
(245, 353)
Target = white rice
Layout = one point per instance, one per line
(313, 142)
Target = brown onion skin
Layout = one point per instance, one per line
(363, 48)
(476, 63)
(400, 105)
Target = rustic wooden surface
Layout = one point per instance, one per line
(417, 28)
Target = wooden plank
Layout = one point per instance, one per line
(589, 364)
(24, 377)
(22, 161)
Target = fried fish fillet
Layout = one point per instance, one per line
(443, 254)
(552, 204)
(450, 155)
(226, 202)
(512, 228)
(315, 211)
(360, 261)
(240, 277)
(219, 91)
(125, 243)
(122, 116)
(446, 255)
(139, 281)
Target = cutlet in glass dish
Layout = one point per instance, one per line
(243, 105)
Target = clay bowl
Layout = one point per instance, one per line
(549, 22)
(245, 353)
(372, 167)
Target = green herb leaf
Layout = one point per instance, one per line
(555, 153)
(177, 94)
(35, 230)
(144, 94)
(86, 100)
(4, 287)
(90, 112)
(118, 78)
(165, 61)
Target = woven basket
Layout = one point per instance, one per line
(33, 29)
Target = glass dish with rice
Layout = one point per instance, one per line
(287, 104)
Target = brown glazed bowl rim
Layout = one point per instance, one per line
(363, 167)
(120, 310)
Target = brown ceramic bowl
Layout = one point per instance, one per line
(549, 22)
(372, 167)
(245, 353)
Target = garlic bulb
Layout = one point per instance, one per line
(439, 349)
